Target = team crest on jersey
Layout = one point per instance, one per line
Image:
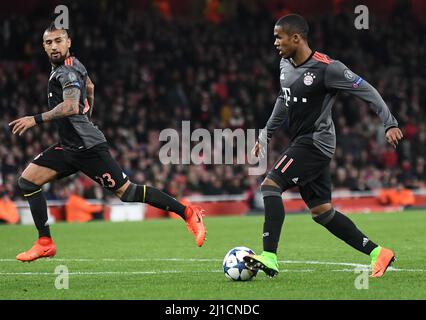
(309, 78)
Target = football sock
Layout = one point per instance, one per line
(154, 197)
(274, 217)
(38, 206)
(343, 228)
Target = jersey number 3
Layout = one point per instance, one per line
(106, 181)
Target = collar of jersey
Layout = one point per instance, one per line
(309, 58)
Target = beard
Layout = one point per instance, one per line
(57, 58)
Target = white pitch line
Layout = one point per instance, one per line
(80, 273)
(98, 273)
(180, 260)
(120, 260)
(347, 264)
(184, 260)
(389, 269)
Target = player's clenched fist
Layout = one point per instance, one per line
(393, 136)
(21, 125)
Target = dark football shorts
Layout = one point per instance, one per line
(304, 165)
(95, 162)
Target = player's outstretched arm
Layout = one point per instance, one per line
(338, 76)
(69, 107)
(90, 93)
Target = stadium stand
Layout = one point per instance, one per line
(153, 69)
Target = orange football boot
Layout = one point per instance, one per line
(195, 224)
(43, 248)
(381, 262)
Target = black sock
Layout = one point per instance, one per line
(154, 197)
(343, 228)
(274, 217)
(38, 206)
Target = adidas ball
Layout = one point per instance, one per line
(234, 266)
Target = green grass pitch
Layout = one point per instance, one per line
(158, 259)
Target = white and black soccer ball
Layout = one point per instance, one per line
(234, 266)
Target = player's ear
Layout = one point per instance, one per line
(69, 42)
(296, 38)
(44, 46)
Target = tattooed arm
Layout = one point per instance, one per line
(90, 92)
(69, 107)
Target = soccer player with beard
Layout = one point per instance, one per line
(82, 147)
(310, 82)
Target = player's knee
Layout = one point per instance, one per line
(27, 186)
(323, 213)
(269, 182)
(120, 191)
(130, 194)
(270, 190)
(134, 193)
(321, 209)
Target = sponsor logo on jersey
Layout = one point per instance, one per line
(287, 94)
(295, 180)
(309, 78)
(288, 98)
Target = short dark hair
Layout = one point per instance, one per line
(52, 27)
(294, 23)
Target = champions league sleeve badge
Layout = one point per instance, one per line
(358, 81)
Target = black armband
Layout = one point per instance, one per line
(38, 118)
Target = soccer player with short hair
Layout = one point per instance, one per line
(310, 82)
(82, 147)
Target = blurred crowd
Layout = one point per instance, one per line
(151, 73)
